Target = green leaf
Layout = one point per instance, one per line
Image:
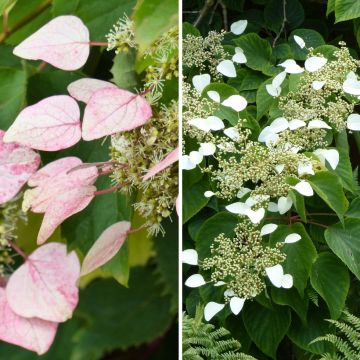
(328, 186)
(266, 327)
(99, 16)
(312, 39)
(194, 199)
(257, 51)
(299, 204)
(346, 10)
(222, 222)
(299, 256)
(252, 81)
(119, 317)
(354, 209)
(274, 14)
(152, 19)
(292, 298)
(4, 4)
(330, 278)
(302, 335)
(63, 7)
(330, 7)
(12, 95)
(123, 70)
(264, 101)
(343, 241)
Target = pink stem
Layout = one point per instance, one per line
(109, 190)
(18, 250)
(98, 43)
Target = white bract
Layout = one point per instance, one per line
(209, 194)
(211, 309)
(318, 85)
(274, 89)
(238, 27)
(196, 157)
(318, 124)
(315, 63)
(291, 67)
(296, 124)
(273, 207)
(195, 281)
(353, 122)
(227, 68)
(278, 278)
(207, 149)
(189, 256)
(305, 169)
(232, 133)
(300, 41)
(210, 123)
(304, 188)
(279, 168)
(242, 192)
(351, 84)
(239, 56)
(330, 155)
(236, 102)
(201, 81)
(214, 95)
(236, 304)
(284, 204)
(268, 229)
(186, 163)
(292, 238)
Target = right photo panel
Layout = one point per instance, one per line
(271, 197)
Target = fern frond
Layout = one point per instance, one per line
(204, 342)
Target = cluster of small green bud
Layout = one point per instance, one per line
(135, 152)
(163, 65)
(240, 261)
(122, 36)
(205, 53)
(330, 103)
(10, 214)
(258, 164)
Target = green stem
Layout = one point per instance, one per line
(357, 140)
(24, 21)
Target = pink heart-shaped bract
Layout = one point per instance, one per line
(45, 285)
(17, 164)
(65, 205)
(51, 124)
(106, 246)
(83, 89)
(33, 334)
(114, 110)
(63, 42)
(170, 158)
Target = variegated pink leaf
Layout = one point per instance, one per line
(114, 110)
(57, 178)
(45, 286)
(57, 167)
(30, 333)
(17, 164)
(51, 124)
(63, 42)
(172, 157)
(83, 89)
(65, 204)
(106, 246)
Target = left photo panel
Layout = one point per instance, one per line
(89, 179)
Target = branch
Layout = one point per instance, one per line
(282, 25)
(205, 9)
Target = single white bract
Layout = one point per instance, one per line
(268, 229)
(296, 124)
(278, 278)
(318, 124)
(189, 256)
(284, 204)
(214, 95)
(211, 309)
(315, 63)
(291, 67)
(318, 85)
(186, 163)
(292, 238)
(300, 41)
(236, 305)
(201, 81)
(209, 194)
(207, 149)
(195, 281)
(227, 68)
(239, 56)
(351, 84)
(232, 133)
(238, 27)
(305, 169)
(304, 188)
(330, 155)
(353, 122)
(236, 102)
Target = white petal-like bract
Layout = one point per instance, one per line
(304, 188)
(284, 204)
(238, 208)
(227, 68)
(318, 124)
(315, 63)
(189, 256)
(300, 41)
(236, 102)
(238, 27)
(201, 81)
(268, 229)
(195, 281)
(211, 309)
(236, 304)
(214, 95)
(353, 122)
(292, 238)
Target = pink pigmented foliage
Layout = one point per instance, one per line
(114, 110)
(172, 157)
(51, 124)
(83, 89)
(61, 189)
(17, 164)
(106, 246)
(63, 42)
(30, 333)
(45, 286)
